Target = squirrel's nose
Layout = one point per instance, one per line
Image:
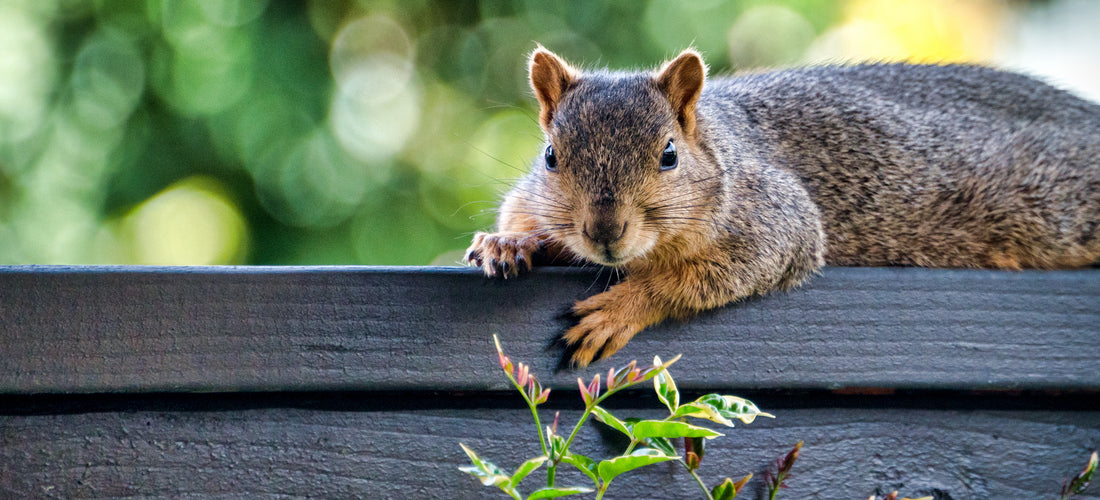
(604, 232)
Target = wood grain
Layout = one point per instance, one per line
(360, 382)
(338, 447)
(133, 329)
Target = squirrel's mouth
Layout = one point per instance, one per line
(611, 242)
(600, 253)
(609, 258)
(614, 254)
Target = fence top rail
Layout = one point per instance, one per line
(91, 329)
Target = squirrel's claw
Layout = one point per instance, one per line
(597, 336)
(502, 254)
(472, 255)
(607, 322)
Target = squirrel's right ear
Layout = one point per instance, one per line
(550, 78)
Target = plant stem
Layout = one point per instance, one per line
(584, 416)
(576, 428)
(534, 414)
(772, 492)
(697, 479)
(538, 425)
(701, 484)
(602, 490)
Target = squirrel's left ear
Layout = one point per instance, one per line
(682, 81)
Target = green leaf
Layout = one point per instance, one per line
(557, 445)
(525, 468)
(671, 429)
(473, 456)
(486, 472)
(583, 464)
(741, 409)
(641, 457)
(661, 444)
(559, 491)
(1082, 480)
(612, 421)
(658, 367)
(699, 409)
(487, 477)
(724, 491)
(728, 489)
(721, 409)
(666, 388)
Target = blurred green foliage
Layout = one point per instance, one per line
(321, 132)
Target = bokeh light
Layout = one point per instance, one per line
(205, 64)
(923, 31)
(26, 72)
(313, 184)
(108, 79)
(381, 132)
(769, 35)
(191, 222)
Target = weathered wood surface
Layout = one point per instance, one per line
(99, 369)
(111, 329)
(406, 446)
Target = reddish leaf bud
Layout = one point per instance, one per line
(741, 484)
(521, 377)
(789, 460)
(692, 460)
(594, 387)
(585, 395)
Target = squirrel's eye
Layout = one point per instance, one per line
(551, 160)
(668, 157)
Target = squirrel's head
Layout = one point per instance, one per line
(621, 169)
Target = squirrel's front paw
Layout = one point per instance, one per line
(608, 321)
(597, 336)
(502, 254)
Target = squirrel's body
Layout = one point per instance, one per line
(939, 166)
(706, 195)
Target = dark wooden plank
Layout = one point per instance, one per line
(306, 450)
(110, 329)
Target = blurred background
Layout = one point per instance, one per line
(380, 132)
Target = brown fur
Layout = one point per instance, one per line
(940, 166)
(550, 78)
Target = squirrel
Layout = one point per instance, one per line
(708, 192)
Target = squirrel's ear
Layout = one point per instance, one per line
(682, 81)
(550, 78)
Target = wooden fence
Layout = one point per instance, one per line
(359, 382)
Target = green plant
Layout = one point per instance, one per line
(1081, 481)
(650, 441)
(775, 481)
